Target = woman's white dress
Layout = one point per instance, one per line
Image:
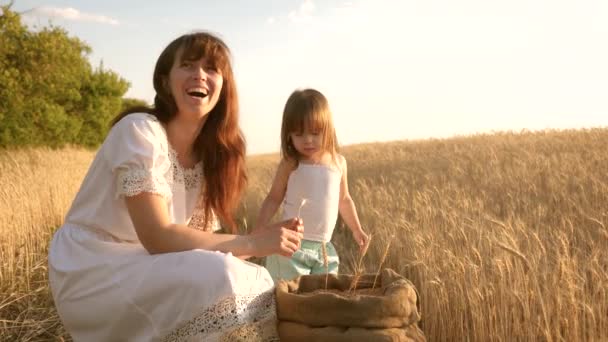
(107, 287)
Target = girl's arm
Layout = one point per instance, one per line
(157, 234)
(275, 195)
(347, 208)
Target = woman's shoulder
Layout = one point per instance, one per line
(136, 133)
(140, 119)
(140, 125)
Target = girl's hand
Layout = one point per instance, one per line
(280, 238)
(361, 238)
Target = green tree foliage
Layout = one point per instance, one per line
(129, 103)
(49, 92)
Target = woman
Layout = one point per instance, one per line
(127, 264)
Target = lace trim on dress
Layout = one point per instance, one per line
(236, 318)
(264, 330)
(131, 182)
(191, 178)
(134, 181)
(197, 220)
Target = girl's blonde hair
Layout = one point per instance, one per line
(307, 108)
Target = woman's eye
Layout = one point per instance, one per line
(186, 64)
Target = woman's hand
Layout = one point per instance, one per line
(280, 238)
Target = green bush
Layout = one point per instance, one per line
(50, 95)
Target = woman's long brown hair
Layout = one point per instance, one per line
(220, 145)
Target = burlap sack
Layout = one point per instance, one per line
(302, 301)
(295, 332)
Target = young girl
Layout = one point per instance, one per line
(311, 181)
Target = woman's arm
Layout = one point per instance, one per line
(157, 234)
(275, 195)
(347, 208)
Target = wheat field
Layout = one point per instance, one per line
(505, 235)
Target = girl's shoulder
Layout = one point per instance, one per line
(287, 166)
(334, 160)
(340, 159)
(288, 163)
(340, 162)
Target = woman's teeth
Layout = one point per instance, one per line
(198, 93)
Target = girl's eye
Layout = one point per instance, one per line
(211, 68)
(186, 64)
(297, 134)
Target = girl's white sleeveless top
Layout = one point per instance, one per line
(319, 185)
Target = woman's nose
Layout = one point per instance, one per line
(200, 73)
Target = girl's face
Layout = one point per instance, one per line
(308, 143)
(195, 86)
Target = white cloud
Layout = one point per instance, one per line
(303, 13)
(69, 13)
(346, 6)
(307, 7)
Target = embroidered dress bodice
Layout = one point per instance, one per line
(141, 160)
(319, 186)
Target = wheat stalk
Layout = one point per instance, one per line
(325, 262)
(303, 202)
(388, 245)
(359, 267)
(516, 253)
(528, 266)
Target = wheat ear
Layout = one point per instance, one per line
(359, 267)
(388, 245)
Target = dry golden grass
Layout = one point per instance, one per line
(36, 189)
(505, 236)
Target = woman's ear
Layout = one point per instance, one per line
(166, 87)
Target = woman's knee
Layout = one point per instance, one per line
(200, 268)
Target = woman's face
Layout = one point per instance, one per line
(195, 86)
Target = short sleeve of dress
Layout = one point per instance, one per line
(137, 151)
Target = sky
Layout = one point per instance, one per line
(391, 69)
